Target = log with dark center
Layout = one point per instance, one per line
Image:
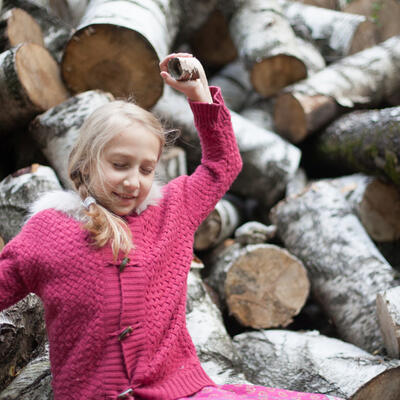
(310, 362)
(345, 268)
(336, 34)
(133, 37)
(363, 141)
(30, 83)
(56, 131)
(367, 78)
(17, 26)
(263, 286)
(183, 68)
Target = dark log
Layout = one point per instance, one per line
(272, 53)
(17, 26)
(310, 362)
(29, 84)
(345, 268)
(22, 332)
(55, 31)
(262, 285)
(133, 37)
(218, 225)
(376, 203)
(214, 53)
(336, 34)
(56, 130)
(207, 330)
(363, 141)
(367, 78)
(268, 160)
(18, 191)
(388, 312)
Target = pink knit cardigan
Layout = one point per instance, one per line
(53, 258)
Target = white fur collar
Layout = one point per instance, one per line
(70, 203)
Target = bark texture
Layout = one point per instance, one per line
(299, 361)
(345, 268)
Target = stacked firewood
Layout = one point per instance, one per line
(294, 283)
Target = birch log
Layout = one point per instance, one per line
(260, 112)
(18, 191)
(272, 53)
(134, 36)
(364, 142)
(212, 52)
(70, 11)
(55, 31)
(207, 330)
(172, 164)
(262, 285)
(32, 383)
(336, 34)
(29, 84)
(17, 26)
(330, 4)
(376, 203)
(367, 78)
(254, 232)
(22, 332)
(310, 362)
(345, 268)
(388, 312)
(268, 160)
(218, 225)
(57, 130)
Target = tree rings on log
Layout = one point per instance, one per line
(17, 26)
(29, 84)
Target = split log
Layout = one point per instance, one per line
(260, 112)
(263, 286)
(213, 344)
(18, 191)
(385, 14)
(336, 34)
(214, 53)
(367, 78)
(364, 142)
(33, 381)
(345, 268)
(134, 36)
(268, 160)
(235, 84)
(388, 312)
(218, 225)
(172, 164)
(272, 53)
(376, 204)
(254, 232)
(22, 332)
(57, 130)
(29, 84)
(310, 362)
(17, 26)
(55, 31)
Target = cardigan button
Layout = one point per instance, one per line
(123, 264)
(127, 331)
(127, 394)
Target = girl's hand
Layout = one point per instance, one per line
(195, 90)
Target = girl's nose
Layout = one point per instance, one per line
(131, 182)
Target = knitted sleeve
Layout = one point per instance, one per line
(220, 163)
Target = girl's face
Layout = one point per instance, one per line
(128, 161)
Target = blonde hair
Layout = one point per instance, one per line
(84, 167)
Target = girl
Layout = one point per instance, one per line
(110, 262)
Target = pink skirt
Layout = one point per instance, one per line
(243, 391)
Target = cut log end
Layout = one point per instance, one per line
(380, 211)
(270, 75)
(21, 27)
(364, 37)
(40, 76)
(264, 294)
(384, 386)
(127, 65)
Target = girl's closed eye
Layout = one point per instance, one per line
(119, 165)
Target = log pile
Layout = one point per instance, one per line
(308, 236)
